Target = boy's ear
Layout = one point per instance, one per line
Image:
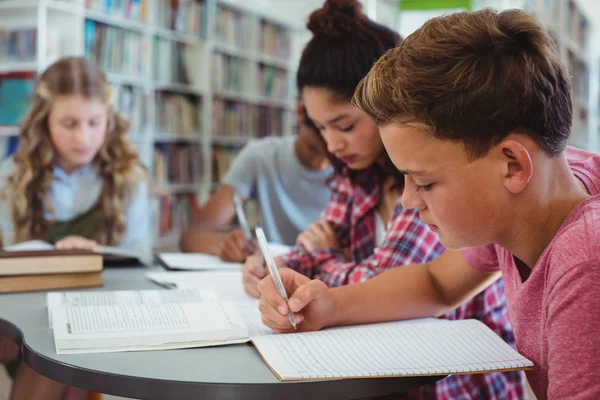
(299, 112)
(518, 167)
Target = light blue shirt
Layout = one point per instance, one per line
(74, 194)
(290, 196)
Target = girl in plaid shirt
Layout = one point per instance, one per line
(364, 230)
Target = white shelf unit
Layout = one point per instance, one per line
(64, 28)
(571, 30)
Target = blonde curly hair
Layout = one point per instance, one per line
(116, 162)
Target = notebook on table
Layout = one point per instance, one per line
(205, 262)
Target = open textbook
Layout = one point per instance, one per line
(134, 320)
(114, 255)
(200, 262)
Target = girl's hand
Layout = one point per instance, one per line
(77, 242)
(319, 236)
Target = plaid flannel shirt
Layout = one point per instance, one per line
(351, 213)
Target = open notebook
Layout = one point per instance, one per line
(200, 262)
(405, 348)
(110, 255)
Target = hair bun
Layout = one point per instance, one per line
(336, 18)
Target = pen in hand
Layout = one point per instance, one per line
(262, 243)
(241, 216)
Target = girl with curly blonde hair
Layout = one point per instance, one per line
(74, 181)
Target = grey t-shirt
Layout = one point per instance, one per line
(290, 197)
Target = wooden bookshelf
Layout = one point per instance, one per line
(196, 78)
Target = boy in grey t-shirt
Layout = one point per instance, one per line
(288, 178)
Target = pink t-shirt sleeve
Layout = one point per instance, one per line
(573, 334)
(483, 258)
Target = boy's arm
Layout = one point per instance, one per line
(218, 211)
(413, 291)
(408, 241)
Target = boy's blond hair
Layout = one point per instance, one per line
(474, 77)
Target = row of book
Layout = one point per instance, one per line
(578, 26)
(230, 118)
(18, 44)
(274, 40)
(272, 82)
(269, 121)
(178, 114)
(174, 213)
(236, 119)
(176, 163)
(116, 50)
(16, 89)
(222, 156)
(132, 9)
(132, 104)
(176, 62)
(233, 28)
(185, 16)
(230, 74)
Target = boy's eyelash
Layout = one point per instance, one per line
(424, 188)
(348, 129)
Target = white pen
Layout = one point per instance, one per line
(241, 216)
(262, 243)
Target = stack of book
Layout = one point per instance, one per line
(28, 270)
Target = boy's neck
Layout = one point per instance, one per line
(305, 161)
(552, 198)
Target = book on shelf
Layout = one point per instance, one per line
(222, 157)
(274, 40)
(177, 163)
(178, 114)
(231, 74)
(131, 102)
(22, 270)
(136, 10)
(16, 89)
(110, 322)
(269, 121)
(272, 82)
(175, 213)
(38, 248)
(185, 16)
(18, 44)
(231, 118)
(116, 50)
(233, 28)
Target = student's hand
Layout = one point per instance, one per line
(253, 271)
(77, 242)
(319, 236)
(236, 247)
(310, 301)
(9, 350)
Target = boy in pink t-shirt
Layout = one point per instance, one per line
(475, 109)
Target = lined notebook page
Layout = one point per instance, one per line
(421, 347)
